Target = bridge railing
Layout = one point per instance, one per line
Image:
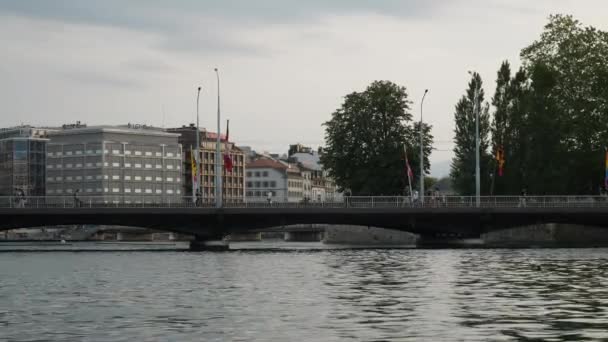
(155, 201)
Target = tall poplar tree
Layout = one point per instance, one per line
(463, 165)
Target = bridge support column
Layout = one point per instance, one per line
(200, 244)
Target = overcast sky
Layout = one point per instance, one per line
(285, 65)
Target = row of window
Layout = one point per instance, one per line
(265, 184)
(261, 193)
(114, 152)
(114, 164)
(116, 190)
(257, 173)
(114, 177)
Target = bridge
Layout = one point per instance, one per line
(451, 215)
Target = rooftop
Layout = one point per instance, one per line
(266, 163)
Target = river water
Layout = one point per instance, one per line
(305, 295)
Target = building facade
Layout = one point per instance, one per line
(126, 164)
(22, 161)
(233, 182)
(266, 180)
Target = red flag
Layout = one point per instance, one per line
(410, 174)
(227, 160)
(500, 158)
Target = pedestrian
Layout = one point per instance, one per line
(199, 198)
(76, 199)
(522, 198)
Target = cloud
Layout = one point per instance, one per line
(91, 78)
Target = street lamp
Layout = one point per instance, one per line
(218, 160)
(476, 113)
(198, 152)
(422, 152)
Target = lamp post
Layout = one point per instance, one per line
(422, 152)
(477, 171)
(198, 152)
(218, 160)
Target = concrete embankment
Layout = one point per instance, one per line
(368, 236)
(548, 235)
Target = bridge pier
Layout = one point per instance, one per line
(214, 244)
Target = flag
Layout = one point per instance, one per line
(227, 159)
(194, 163)
(500, 159)
(410, 174)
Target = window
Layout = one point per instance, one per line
(115, 164)
(249, 184)
(170, 191)
(258, 194)
(115, 190)
(89, 164)
(137, 178)
(69, 166)
(59, 178)
(148, 166)
(248, 173)
(98, 190)
(138, 153)
(89, 190)
(138, 166)
(68, 153)
(265, 173)
(265, 184)
(59, 166)
(178, 179)
(105, 189)
(158, 166)
(249, 193)
(148, 191)
(105, 176)
(50, 166)
(169, 154)
(115, 152)
(127, 152)
(257, 184)
(257, 174)
(115, 177)
(138, 191)
(127, 177)
(89, 177)
(78, 177)
(148, 154)
(50, 191)
(78, 165)
(169, 179)
(127, 164)
(98, 152)
(98, 177)
(159, 191)
(49, 179)
(90, 151)
(98, 164)
(50, 154)
(169, 167)
(59, 191)
(159, 179)
(273, 184)
(179, 192)
(158, 154)
(148, 178)
(78, 152)
(128, 190)
(105, 163)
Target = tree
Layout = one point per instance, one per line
(463, 165)
(365, 139)
(568, 106)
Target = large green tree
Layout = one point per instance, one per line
(551, 116)
(365, 139)
(462, 170)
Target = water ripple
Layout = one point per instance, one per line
(341, 295)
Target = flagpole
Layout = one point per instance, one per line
(407, 171)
